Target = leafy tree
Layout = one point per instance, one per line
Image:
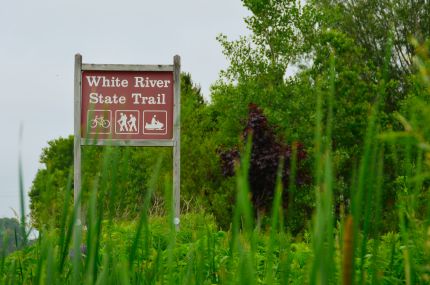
(371, 23)
(10, 235)
(49, 185)
(280, 36)
(371, 26)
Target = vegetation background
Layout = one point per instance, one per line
(319, 177)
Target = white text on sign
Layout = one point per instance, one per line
(138, 98)
(139, 82)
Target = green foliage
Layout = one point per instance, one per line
(49, 185)
(289, 33)
(369, 23)
(281, 32)
(10, 235)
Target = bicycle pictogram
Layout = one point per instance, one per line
(100, 122)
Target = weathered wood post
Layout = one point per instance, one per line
(77, 139)
(177, 138)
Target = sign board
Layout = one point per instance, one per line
(127, 105)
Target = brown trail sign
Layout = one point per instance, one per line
(127, 105)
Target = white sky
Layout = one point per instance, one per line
(38, 40)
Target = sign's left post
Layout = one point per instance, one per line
(77, 140)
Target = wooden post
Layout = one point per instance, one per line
(177, 140)
(77, 140)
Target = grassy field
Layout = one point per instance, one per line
(198, 254)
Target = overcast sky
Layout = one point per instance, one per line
(38, 40)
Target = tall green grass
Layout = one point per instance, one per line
(346, 249)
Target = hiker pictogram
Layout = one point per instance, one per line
(154, 122)
(132, 123)
(127, 122)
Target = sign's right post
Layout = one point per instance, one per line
(177, 139)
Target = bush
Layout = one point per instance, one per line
(267, 152)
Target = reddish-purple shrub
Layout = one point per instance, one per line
(266, 153)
